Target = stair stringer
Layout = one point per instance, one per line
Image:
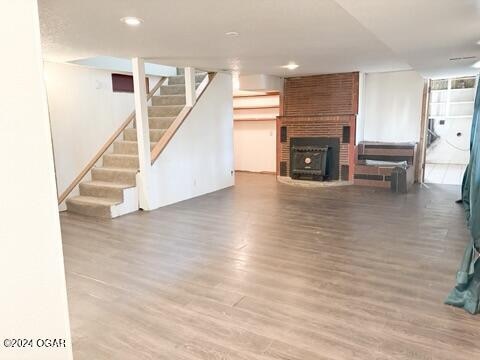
(130, 202)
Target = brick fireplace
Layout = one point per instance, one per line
(323, 107)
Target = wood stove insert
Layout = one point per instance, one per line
(309, 161)
(314, 158)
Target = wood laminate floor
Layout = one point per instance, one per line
(272, 271)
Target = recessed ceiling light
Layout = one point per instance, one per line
(478, 42)
(131, 20)
(291, 66)
(232, 33)
(476, 65)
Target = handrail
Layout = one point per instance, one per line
(172, 129)
(106, 145)
(156, 87)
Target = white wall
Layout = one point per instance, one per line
(260, 82)
(199, 158)
(33, 299)
(393, 106)
(84, 113)
(255, 145)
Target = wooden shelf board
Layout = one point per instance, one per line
(256, 107)
(273, 93)
(452, 102)
(256, 119)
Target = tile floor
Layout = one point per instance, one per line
(450, 174)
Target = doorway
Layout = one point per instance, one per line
(255, 122)
(449, 121)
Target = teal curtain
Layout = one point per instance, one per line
(466, 293)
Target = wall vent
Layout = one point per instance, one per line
(283, 134)
(345, 172)
(283, 168)
(346, 135)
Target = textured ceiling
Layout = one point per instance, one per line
(322, 36)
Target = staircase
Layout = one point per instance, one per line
(112, 191)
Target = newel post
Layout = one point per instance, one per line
(143, 134)
(190, 96)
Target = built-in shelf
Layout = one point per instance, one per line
(462, 89)
(459, 116)
(451, 116)
(451, 102)
(255, 95)
(256, 107)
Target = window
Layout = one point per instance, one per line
(124, 83)
(441, 84)
(463, 83)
